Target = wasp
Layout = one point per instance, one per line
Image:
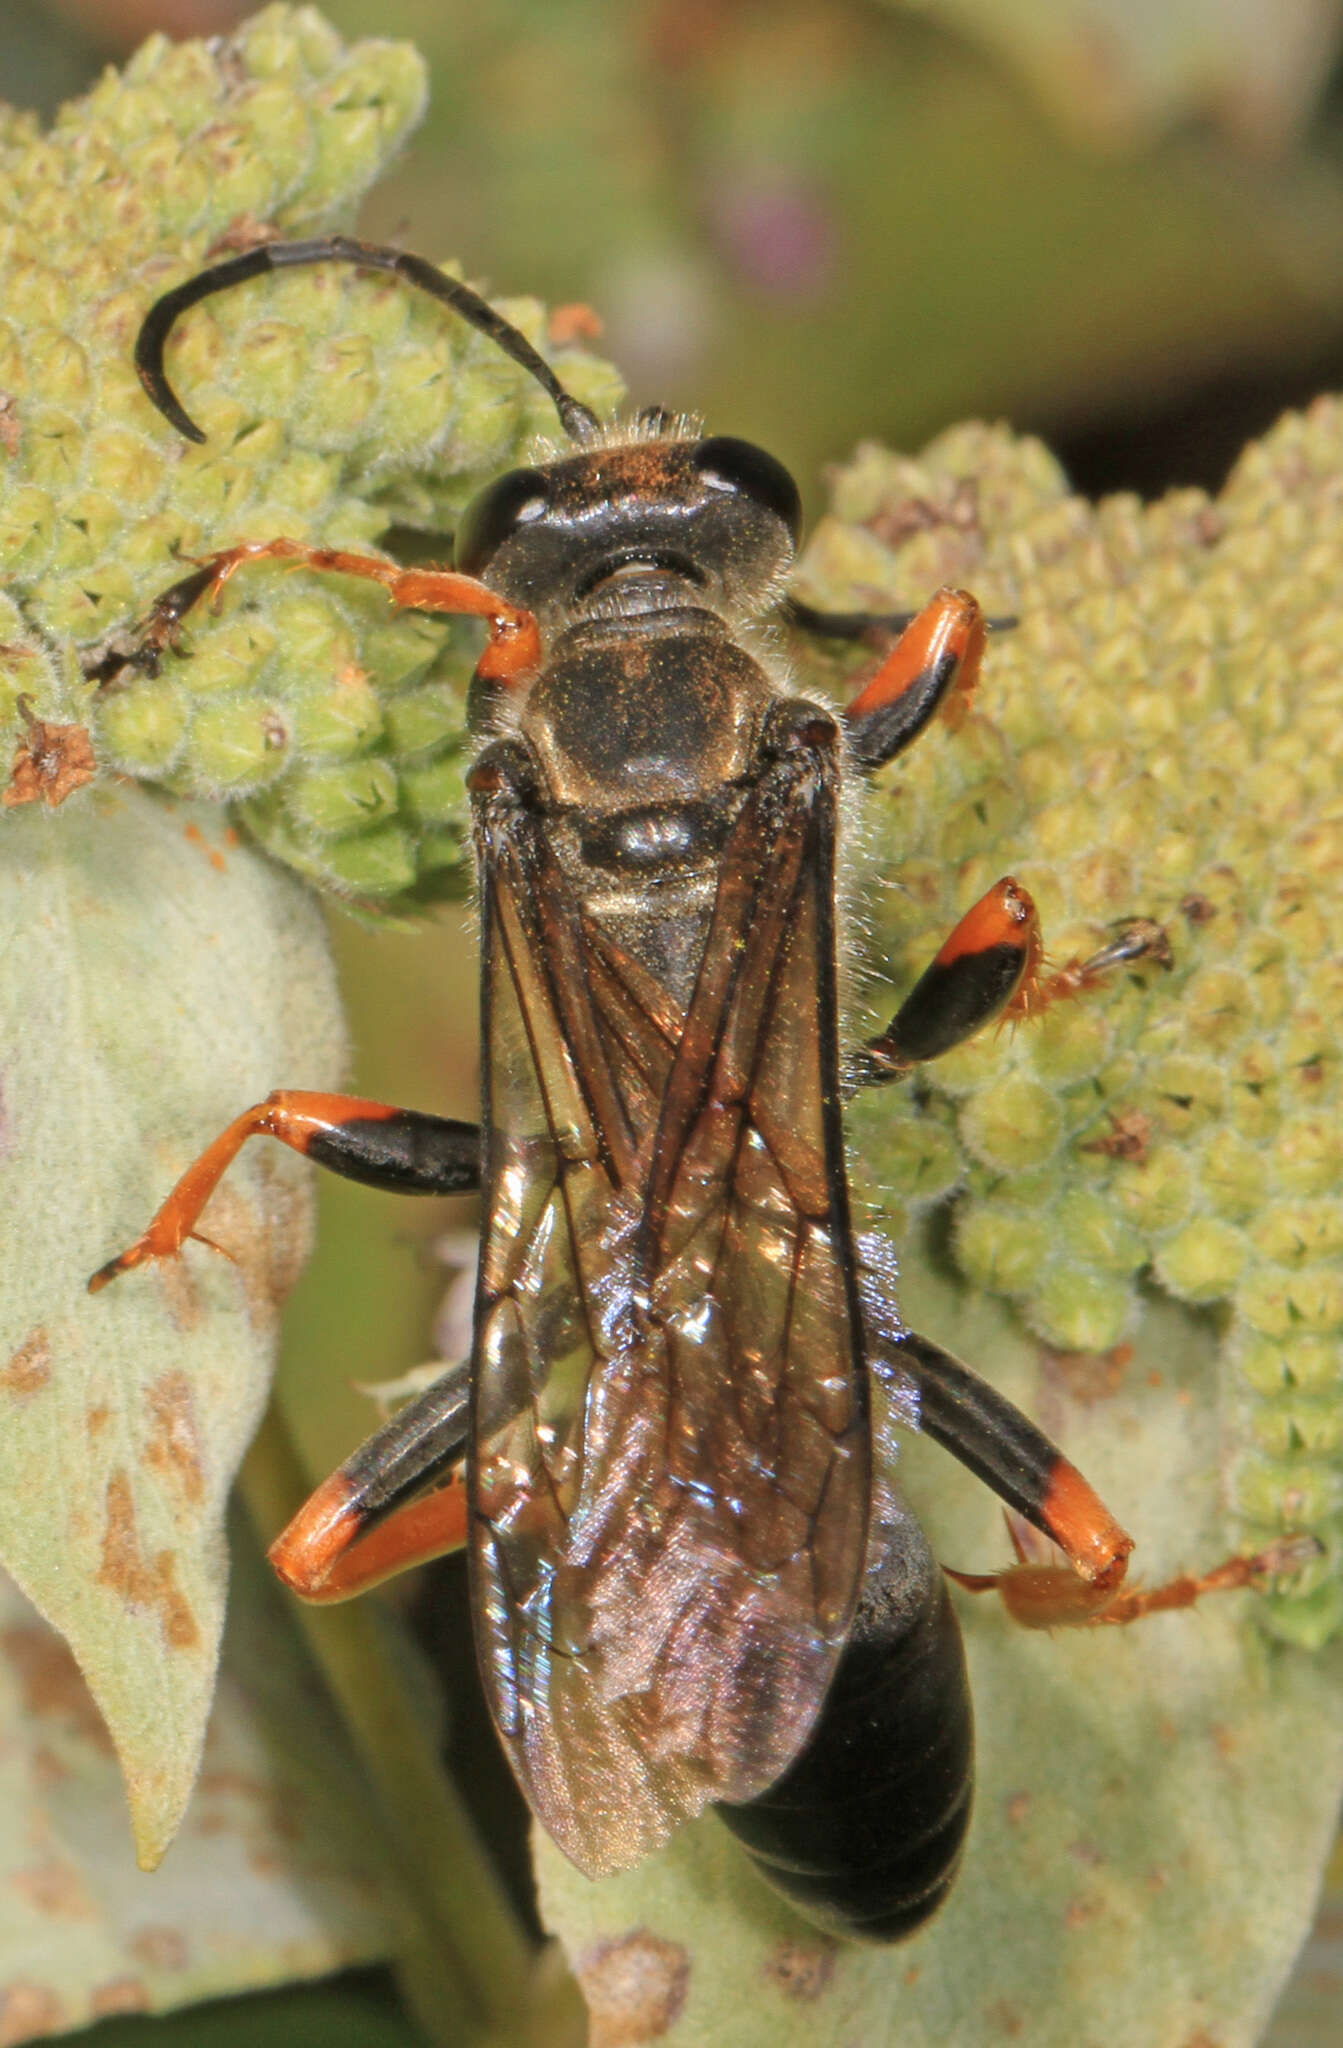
(693, 1581)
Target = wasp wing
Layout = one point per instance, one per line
(671, 1472)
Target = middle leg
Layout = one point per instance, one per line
(991, 966)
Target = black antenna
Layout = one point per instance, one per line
(577, 419)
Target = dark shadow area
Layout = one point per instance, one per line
(1197, 436)
(358, 2009)
(441, 1619)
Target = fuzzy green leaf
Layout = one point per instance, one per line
(157, 980)
(278, 1873)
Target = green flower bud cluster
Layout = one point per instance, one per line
(30, 668)
(1157, 736)
(335, 403)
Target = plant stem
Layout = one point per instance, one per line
(472, 1966)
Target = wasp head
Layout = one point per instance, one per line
(649, 520)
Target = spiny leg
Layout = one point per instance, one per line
(512, 654)
(992, 965)
(1001, 1446)
(398, 1501)
(1040, 1595)
(990, 1436)
(405, 1150)
(1136, 938)
(993, 962)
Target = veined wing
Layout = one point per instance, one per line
(672, 1447)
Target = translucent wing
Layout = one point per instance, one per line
(672, 1450)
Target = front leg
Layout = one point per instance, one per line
(512, 653)
(404, 1150)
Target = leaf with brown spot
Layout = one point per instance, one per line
(49, 1678)
(174, 1448)
(122, 1994)
(802, 1969)
(280, 1872)
(146, 999)
(28, 2010)
(29, 1368)
(159, 1948)
(143, 1583)
(1086, 1376)
(635, 1986)
(54, 1887)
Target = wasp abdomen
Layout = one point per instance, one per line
(864, 1830)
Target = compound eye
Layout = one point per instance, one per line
(514, 500)
(741, 467)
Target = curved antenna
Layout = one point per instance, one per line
(577, 419)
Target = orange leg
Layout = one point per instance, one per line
(405, 1150)
(1053, 1505)
(329, 1553)
(992, 965)
(397, 1501)
(933, 667)
(401, 1498)
(1046, 1596)
(1003, 1447)
(513, 654)
(1140, 938)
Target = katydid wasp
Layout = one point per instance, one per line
(694, 1583)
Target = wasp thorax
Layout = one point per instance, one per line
(643, 526)
(664, 715)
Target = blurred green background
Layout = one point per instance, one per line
(1114, 222)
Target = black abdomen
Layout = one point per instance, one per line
(864, 1830)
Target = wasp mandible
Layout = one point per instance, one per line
(693, 1581)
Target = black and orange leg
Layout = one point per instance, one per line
(398, 1501)
(1038, 1594)
(865, 625)
(933, 667)
(876, 629)
(986, 1433)
(512, 654)
(404, 1150)
(991, 966)
(808, 618)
